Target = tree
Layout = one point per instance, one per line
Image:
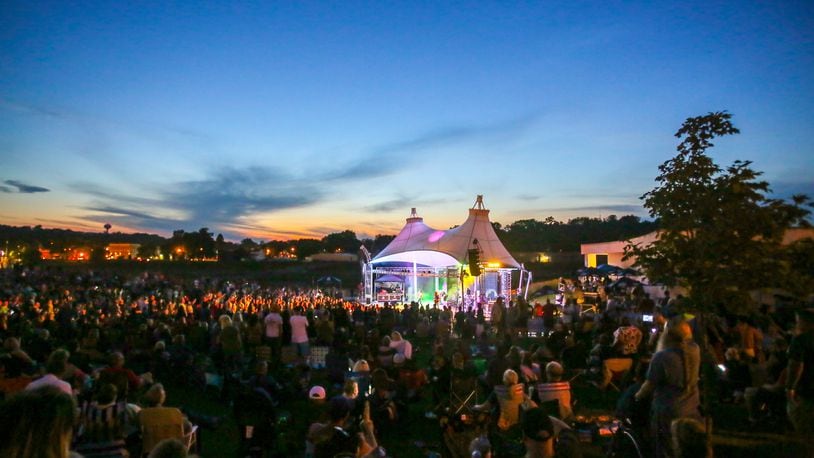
(720, 234)
(344, 241)
(107, 227)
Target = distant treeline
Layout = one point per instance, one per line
(551, 235)
(528, 235)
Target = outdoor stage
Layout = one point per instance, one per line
(465, 265)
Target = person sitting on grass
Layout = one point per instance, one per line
(507, 398)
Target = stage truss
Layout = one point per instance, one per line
(451, 285)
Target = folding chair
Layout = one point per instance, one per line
(618, 368)
(159, 423)
(317, 357)
(463, 394)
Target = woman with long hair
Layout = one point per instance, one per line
(37, 424)
(673, 382)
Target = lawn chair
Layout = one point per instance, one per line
(255, 417)
(159, 423)
(463, 394)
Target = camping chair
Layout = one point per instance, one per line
(255, 417)
(316, 358)
(101, 432)
(463, 394)
(618, 368)
(159, 423)
(117, 379)
(555, 396)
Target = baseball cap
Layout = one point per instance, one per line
(317, 392)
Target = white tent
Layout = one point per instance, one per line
(421, 251)
(423, 245)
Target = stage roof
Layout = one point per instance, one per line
(419, 243)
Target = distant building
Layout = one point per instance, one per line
(533, 256)
(611, 253)
(78, 254)
(121, 250)
(48, 255)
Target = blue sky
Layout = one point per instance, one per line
(290, 119)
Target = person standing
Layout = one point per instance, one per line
(299, 333)
(800, 380)
(274, 333)
(548, 315)
(673, 382)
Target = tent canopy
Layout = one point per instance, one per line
(423, 245)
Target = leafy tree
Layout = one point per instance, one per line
(31, 255)
(344, 241)
(306, 247)
(200, 244)
(720, 233)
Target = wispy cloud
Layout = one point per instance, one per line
(401, 203)
(28, 109)
(387, 206)
(23, 188)
(379, 161)
(233, 193)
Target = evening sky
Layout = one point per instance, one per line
(279, 120)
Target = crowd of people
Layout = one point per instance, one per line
(87, 356)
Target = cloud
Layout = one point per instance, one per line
(527, 197)
(226, 199)
(117, 211)
(24, 108)
(387, 206)
(233, 193)
(402, 203)
(23, 188)
(381, 160)
(220, 201)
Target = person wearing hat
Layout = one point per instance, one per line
(317, 395)
(317, 418)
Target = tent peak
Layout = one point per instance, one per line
(414, 216)
(479, 203)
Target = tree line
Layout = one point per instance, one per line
(527, 235)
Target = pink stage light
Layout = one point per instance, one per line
(435, 236)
